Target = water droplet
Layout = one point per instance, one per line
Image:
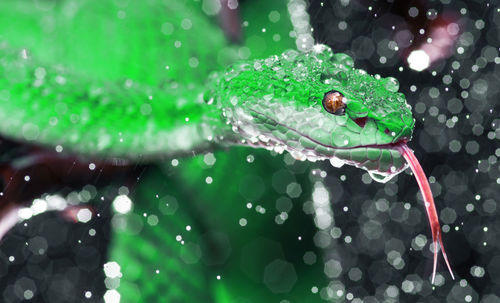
(327, 75)
(268, 97)
(290, 55)
(234, 100)
(379, 177)
(340, 76)
(263, 138)
(391, 84)
(343, 59)
(336, 162)
(239, 67)
(298, 155)
(279, 149)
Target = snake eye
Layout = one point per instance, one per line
(334, 103)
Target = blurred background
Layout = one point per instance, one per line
(247, 225)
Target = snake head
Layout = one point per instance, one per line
(317, 106)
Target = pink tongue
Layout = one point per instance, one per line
(430, 207)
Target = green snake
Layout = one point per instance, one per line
(143, 81)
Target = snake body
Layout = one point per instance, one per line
(151, 80)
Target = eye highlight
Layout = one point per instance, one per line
(334, 103)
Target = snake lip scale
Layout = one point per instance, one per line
(392, 145)
(328, 151)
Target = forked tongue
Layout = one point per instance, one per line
(430, 207)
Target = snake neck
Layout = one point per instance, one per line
(125, 119)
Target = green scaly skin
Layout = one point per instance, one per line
(108, 93)
(93, 81)
(275, 101)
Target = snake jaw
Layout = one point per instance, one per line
(310, 135)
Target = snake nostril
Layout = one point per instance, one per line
(361, 121)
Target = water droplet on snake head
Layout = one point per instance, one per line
(391, 84)
(269, 61)
(340, 76)
(321, 52)
(361, 72)
(290, 55)
(268, 97)
(234, 100)
(240, 67)
(321, 49)
(257, 66)
(400, 98)
(208, 97)
(327, 74)
(230, 75)
(279, 72)
(343, 59)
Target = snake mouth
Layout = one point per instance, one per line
(394, 145)
(381, 161)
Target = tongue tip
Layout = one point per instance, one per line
(429, 205)
(434, 263)
(445, 257)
